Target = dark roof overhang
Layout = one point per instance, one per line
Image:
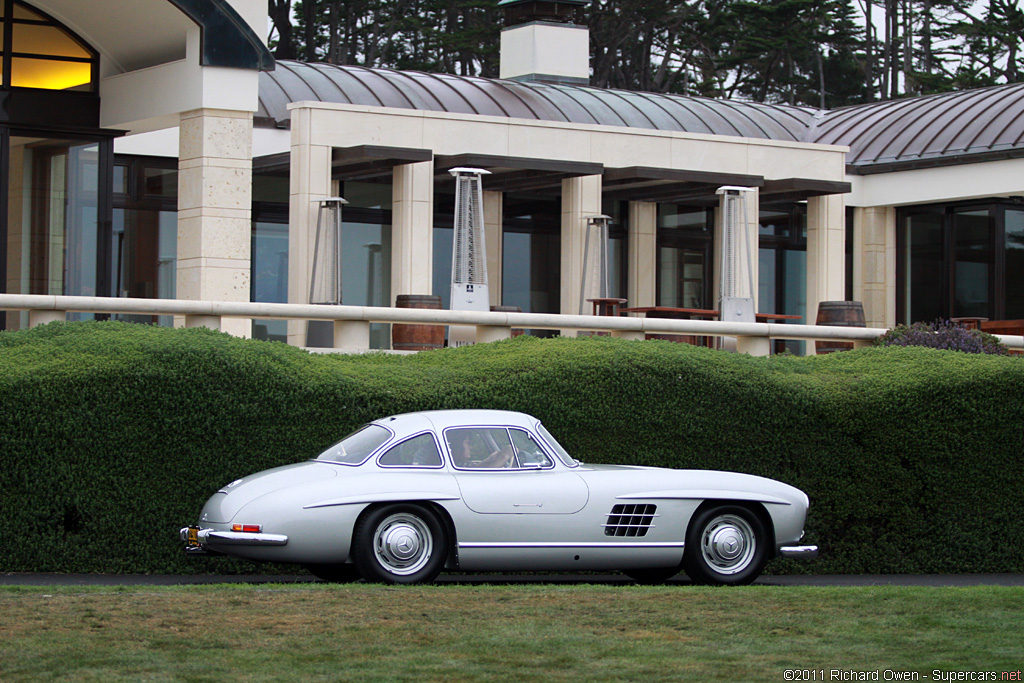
(648, 184)
(347, 163)
(799, 189)
(917, 163)
(516, 174)
(227, 40)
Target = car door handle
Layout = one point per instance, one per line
(527, 505)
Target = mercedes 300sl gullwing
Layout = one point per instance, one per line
(409, 496)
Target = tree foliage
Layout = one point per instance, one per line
(819, 53)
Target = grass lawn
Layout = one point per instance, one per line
(359, 632)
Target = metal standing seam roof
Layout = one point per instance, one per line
(947, 128)
(296, 81)
(942, 129)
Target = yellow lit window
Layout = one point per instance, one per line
(39, 53)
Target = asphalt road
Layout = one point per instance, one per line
(24, 579)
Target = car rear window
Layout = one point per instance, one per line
(357, 446)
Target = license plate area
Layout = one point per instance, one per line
(192, 539)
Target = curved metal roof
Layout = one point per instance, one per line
(296, 81)
(948, 128)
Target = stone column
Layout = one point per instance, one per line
(494, 214)
(642, 253)
(214, 209)
(826, 251)
(412, 229)
(310, 180)
(581, 199)
(875, 263)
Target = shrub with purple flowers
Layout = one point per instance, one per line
(943, 334)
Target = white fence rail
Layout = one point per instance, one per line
(352, 323)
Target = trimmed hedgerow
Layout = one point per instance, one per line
(113, 435)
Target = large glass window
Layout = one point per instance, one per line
(1013, 248)
(958, 261)
(782, 265)
(684, 256)
(532, 253)
(37, 52)
(144, 247)
(365, 243)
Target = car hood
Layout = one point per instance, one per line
(225, 504)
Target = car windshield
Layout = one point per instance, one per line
(563, 455)
(357, 446)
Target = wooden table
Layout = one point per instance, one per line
(607, 305)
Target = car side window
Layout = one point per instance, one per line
(529, 451)
(419, 451)
(480, 448)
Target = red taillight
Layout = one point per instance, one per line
(247, 528)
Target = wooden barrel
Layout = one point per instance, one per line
(510, 309)
(838, 314)
(417, 337)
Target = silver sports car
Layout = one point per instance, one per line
(408, 496)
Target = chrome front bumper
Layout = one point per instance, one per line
(215, 538)
(799, 552)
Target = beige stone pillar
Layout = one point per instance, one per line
(874, 262)
(412, 229)
(310, 180)
(214, 209)
(642, 253)
(826, 251)
(581, 199)
(494, 215)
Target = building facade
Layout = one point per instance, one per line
(160, 152)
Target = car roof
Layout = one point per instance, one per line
(440, 420)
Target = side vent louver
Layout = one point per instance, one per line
(630, 520)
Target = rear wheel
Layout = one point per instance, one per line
(399, 543)
(726, 545)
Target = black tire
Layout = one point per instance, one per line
(726, 545)
(334, 573)
(399, 543)
(651, 576)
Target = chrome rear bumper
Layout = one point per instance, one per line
(799, 552)
(215, 538)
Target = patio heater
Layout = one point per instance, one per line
(596, 281)
(736, 278)
(325, 279)
(469, 253)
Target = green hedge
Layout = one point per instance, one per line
(113, 435)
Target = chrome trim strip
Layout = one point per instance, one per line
(570, 544)
(705, 494)
(800, 552)
(382, 498)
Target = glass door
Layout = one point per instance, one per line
(57, 217)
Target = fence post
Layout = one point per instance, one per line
(351, 334)
(41, 317)
(210, 321)
(489, 333)
(755, 346)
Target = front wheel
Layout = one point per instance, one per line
(726, 545)
(399, 544)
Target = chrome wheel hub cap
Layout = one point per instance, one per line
(728, 544)
(402, 544)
